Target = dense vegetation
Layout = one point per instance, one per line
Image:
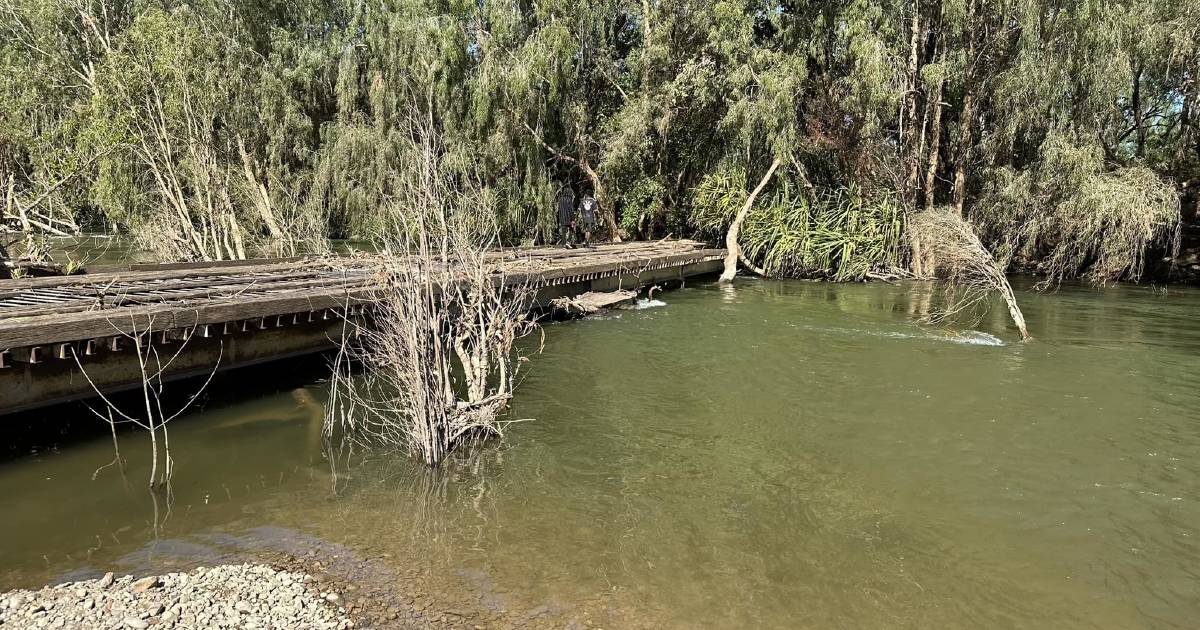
(1066, 132)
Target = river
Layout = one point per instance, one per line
(778, 454)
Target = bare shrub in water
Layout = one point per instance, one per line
(150, 413)
(437, 353)
(945, 246)
(437, 356)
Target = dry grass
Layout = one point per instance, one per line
(1074, 216)
(944, 246)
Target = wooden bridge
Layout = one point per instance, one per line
(64, 338)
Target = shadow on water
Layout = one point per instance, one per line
(58, 427)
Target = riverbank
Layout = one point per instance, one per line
(241, 596)
(285, 579)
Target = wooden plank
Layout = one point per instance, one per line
(194, 306)
(29, 331)
(592, 302)
(227, 289)
(222, 264)
(170, 271)
(11, 287)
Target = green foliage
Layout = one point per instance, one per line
(839, 235)
(1076, 217)
(642, 203)
(1066, 131)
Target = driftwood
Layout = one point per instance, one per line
(591, 302)
(34, 268)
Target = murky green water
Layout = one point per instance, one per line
(780, 454)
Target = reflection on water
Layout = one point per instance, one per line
(776, 454)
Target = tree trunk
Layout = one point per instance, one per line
(1014, 311)
(918, 156)
(1139, 128)
(606, 208)
(259, 194)
(1183, 143)
(733, 250)
(935, 139)
(966, 120)
(910, 104)
(964, 150)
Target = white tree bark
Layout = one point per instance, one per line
(733, 250)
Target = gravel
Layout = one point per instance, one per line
(229, 596)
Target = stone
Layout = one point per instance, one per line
(106, 581)
(145, 584)
(227, 596)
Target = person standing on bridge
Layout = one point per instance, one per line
(565, 209)
(589, 209)
(4, 258)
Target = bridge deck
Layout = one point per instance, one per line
(48, 310)
(258, 310)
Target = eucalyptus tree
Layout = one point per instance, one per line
(545, 88)
(765, 83)
(49, 53)
(1071, 182)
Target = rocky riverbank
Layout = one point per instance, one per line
(227, 596)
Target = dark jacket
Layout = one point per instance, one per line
(566, 206)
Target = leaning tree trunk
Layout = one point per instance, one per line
(733, 250)
(1014, 311)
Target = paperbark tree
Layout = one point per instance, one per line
(732, 248)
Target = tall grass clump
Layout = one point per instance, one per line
(838, 234)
